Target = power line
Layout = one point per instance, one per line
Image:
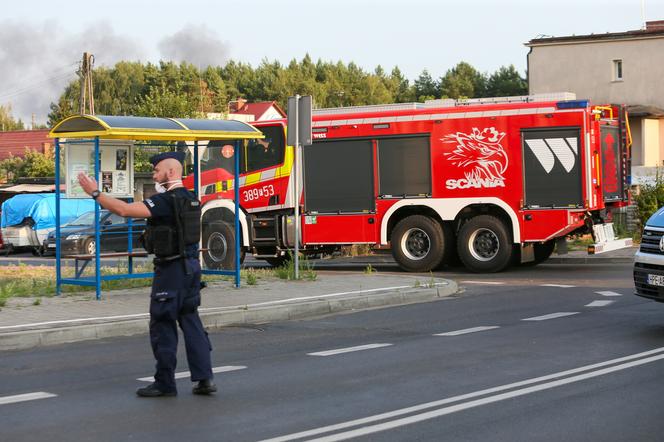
(35, 85)
(60, 73)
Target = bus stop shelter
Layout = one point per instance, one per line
(90, 131)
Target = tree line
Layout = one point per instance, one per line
(182, 90)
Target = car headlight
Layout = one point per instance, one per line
(73, 237)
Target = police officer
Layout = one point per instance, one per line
(175, 294)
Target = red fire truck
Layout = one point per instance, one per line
(489, 182)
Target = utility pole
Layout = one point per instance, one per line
(87, 93)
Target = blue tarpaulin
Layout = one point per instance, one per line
(41, 208)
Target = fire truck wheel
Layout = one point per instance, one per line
(418, 243)
(484, 244)
(219, 245)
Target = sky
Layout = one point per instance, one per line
(42, 41)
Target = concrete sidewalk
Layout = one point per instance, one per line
(78, 317)
(72, 318)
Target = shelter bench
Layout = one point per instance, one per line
(87, 258)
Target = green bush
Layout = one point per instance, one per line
(287, 270)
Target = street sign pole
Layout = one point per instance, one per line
(297, 188)
(299, 131)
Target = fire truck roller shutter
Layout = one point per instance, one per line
(346, 166)
(552, 167)
(419, 243)
(484, 244)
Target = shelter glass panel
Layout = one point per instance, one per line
(219, 155)
(216, 125)
(139, 122)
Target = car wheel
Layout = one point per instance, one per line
(89, 246)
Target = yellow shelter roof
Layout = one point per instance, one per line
(152, 128)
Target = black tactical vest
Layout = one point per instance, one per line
(167, 238)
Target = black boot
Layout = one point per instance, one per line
(153, 391)
(205, 387)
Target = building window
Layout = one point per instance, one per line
(617, 70)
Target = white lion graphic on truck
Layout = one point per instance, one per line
(480, 156)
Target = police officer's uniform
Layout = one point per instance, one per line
(175, 295)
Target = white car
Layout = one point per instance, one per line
(649, 260)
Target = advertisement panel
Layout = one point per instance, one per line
(116, 167)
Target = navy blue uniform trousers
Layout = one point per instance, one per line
(174, 299)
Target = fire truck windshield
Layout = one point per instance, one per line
(254, 154)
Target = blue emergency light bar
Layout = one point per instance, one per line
(572, 104)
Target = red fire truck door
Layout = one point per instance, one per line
(339, 229)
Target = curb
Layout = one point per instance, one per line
(227, 316)
(589, 260)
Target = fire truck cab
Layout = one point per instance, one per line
(487, 182)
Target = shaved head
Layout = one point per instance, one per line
(171, 164)
(168, 169)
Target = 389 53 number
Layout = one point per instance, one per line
(258, 192)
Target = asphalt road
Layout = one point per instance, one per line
(513, 357)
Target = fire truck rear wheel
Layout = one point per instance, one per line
(484, 244)
(219, 242)
(418, 243)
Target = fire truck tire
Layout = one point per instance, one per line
(484, 245)
(418, 243)
(219, 246)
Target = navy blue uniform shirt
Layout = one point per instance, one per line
(161, 207)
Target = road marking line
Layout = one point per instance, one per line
(609, 293)
(562, 286)
(348, 349)
(484, 401)
(186, 374)
(599, 303)
(25, 397)
(425, 406)
(484, 282)
(550, 316)
(468, 330)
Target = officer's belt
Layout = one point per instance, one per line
(165, 259)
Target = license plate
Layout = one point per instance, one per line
(656, 280)
(51, 246)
